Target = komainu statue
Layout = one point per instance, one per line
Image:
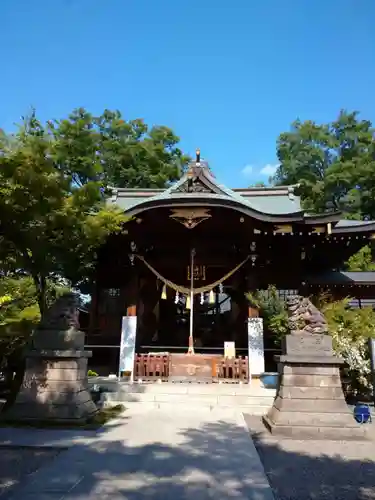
(62, 315)
(55, 386)
(310, 402)
(304, 317)
(59, 326)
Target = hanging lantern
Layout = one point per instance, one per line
(202, 298)
(177, 298)
(211, 297)
(164, 293)
(188, 303)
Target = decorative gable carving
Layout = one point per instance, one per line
(193, 186)
(190, 218)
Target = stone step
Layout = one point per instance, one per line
(251, 398)
(253, 389)
(254, 410)
(210, 399)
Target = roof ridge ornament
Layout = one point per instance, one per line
(291, 194)
(191, 172)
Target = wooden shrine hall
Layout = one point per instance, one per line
(170, 291)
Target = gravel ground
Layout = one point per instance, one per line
(319, 470)
(18, 463)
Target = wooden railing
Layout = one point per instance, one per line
(155, 367)
(233, 370)
(150, 367)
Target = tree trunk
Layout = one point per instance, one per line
(40, 283)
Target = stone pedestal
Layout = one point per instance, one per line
(310, 401)
(55, 384)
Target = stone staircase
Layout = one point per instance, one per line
(249, 398)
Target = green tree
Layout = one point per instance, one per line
(126, 153)
(362, 260)
(333, 164)
(52, 213)
(350, 330)
(19, 311)
(53, 181)
(333, 167)
(272, 309)
(136, 156)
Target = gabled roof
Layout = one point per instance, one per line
(342, 278)
(198, 186)
(270, 200)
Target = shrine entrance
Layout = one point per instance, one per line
(215, 321)
(196, 316)
(183, 329)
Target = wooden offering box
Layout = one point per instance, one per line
(193, 367)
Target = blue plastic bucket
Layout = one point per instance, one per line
(362, 413)
(269, 380)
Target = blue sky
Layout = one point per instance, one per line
(227, 76)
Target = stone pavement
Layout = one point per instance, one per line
(149, 454)
(316, 470)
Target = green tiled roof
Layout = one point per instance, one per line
(271, 201)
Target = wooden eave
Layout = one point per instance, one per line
(358, 278)
(366, 227)
(192, 201)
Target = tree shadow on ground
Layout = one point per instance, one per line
(25, 450)
(321, 469)
(210, 460)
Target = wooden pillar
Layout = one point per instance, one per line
(131, 296)
(131, 310)
(253, 312)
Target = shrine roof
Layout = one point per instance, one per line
(198, 186)
(342, 278)
(268, 201)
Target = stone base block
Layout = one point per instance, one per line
(317, 432)
(304, 405)
(26, 412)
(310, 402)
(53, 390)
(313, 418)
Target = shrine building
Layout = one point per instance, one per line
(175, 281)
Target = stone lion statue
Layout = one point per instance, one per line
(304, 317)
(62, 315)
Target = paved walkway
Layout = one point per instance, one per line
(149, 455)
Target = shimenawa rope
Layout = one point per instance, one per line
(184, 290)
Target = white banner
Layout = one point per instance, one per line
(127, 347)
(256, 347)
